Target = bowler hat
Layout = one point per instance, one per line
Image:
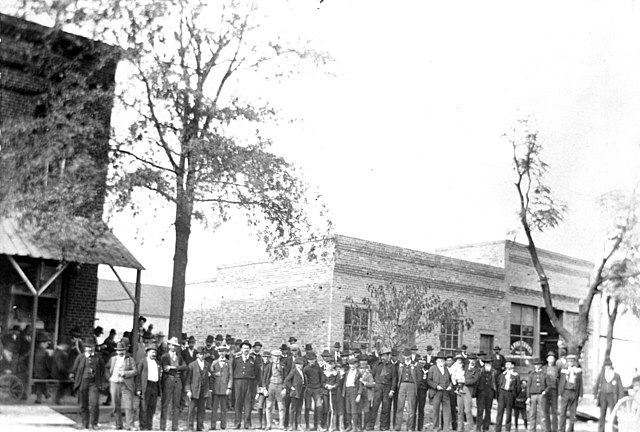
(193, 339)
(308, 347)
(227, 337)
(537, 361)
(284, 347)
(151, 347)
(219, 337)
(463, 348)
(311, 355)
(255, 344)
(472, 356)
(440, 355)
(429, 348)
(209, 339)
(142, 318)
(89, 342)
(266, 353)
(414, 348)
(75, 331)
(363, 357)
(336, 345)
(120, 346)
(243, 343)
(292, 340)
(42, 337)
(497, 348)
(326, 354)
(394, 352)
(299, 360)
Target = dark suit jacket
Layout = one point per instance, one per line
(471, 377)
(198, 378)
(143, 376)
(614, 387)
(482, 386)
(179, 364)
(514, 388)
(267, 372)
(220, 377)
(435, 378)
(188, 358)
(498, 362)
(294, 383)
(79, 366)
(564, 378)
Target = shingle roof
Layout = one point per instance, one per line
(155, 300)
(106, 249)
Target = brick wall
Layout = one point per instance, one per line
(79, 294)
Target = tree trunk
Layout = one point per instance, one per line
(180, 259)
(612, 312)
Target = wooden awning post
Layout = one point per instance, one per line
(136, 312)
(34, 319)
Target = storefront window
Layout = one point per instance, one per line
(522, 330)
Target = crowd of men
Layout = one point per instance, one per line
(345, 390)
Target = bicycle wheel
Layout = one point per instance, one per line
(625, 416)
(11, 387)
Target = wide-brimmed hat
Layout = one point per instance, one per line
(276, 353)
(440, 355)
(209, 339)
(173, 341)
(223, 347)
(497, 348)
(325, 354)
(414, 348)
(292, 340)
(89, 342)
(299, 360)
(120, 346)
(385, 350)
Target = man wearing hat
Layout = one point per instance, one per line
(508, 389)
(148, 386)
(414, 354)
(537, 388)
(197, 389)
(273, 377)
(407, 390)
(423, 388)
(465, 397)
(428, 357)
(189, 353)
(120, 372)
(220, 387)
(570, 390)
(486, 391)
(246, 376)
(88, 374)
(352, 390)
(439, 380)
(314, 380)
(608, 390)
(386, 380)
(335, 352)
(393, 360)
(550, 399)
(41, 365)
(287, 360)
(173, 368)
(498, 360)
(209, 350)
(295, 385)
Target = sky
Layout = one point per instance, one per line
(404, 139)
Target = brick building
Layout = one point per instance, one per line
(48, 287)
(270, 301)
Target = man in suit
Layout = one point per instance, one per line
(468, 392)
(537, 388)
(498, 360)
(407, 390)
(352, 390)
(429, 358)
(274, 375)
(386, 379)
(414, 355)
(148, 386)
(173, 368)
(486, 391)
(423, 390)
(189, 353)
(295, 386)
(336, 353)
(197, 390)
(120, 372)
(220, 388)
(607, 392)
(550, 399)
(394, 400)
(570, 390)
(508, 389)
(439, 381)
(88, 373)
(246, 376)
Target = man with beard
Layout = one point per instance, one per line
(386, 379)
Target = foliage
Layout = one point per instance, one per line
(539, 210)
(194, 70)
(53, 153)
(400, 312)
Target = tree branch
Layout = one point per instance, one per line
(144, 160)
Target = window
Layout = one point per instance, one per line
(522, 329)
(486, 343)
(356, 327)
(450, 336)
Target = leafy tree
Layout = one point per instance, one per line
(540, 211)
(400, 312)
(194, 138)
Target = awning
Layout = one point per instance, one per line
(103, 249)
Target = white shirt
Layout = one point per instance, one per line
(117, 367)
(351, 378)
(152, 370)
(201, 364)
